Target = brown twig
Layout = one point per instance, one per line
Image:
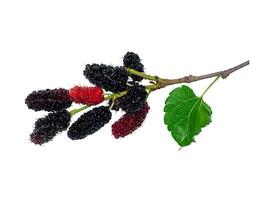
(158, 83)
(191, 78)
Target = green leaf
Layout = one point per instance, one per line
(185, 115)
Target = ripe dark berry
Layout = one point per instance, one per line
(47, 127)
(107, 77)
(132, 60)
(86, 95)
(129, 122)
(49, 100)
(134, 100)
(89, 123)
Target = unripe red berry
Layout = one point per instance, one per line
(86, 95)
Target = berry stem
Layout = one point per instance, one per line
(112, 104)
(162, 83)
(75, 111)
(191, 78)
(115, 96)
(144, 75)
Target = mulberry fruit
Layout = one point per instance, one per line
(110, 78)
(129, 122)
(86, 95)
(132, 60)
(47, 127)
(49, 100)
(89, 123)
(134, 100)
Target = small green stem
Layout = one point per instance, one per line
(210, 86)
(107, 94)
(162, 83)
(73, 112)
(112, 104)
(111, 96)
(144, 75)
(116, 95)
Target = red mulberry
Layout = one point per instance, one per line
(86, 95)
(110, 78)
(49, 100)
(47, 127)
(89, 123)
(134, 100)
(129, 122)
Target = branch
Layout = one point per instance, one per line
(191, 78)
(159, 83)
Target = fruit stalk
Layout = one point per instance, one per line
(160, 83)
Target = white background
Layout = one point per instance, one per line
(46, 44)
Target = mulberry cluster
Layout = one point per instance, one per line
(134, 100)
(133, 61)
(110, 78)
(129, 122)
(127, 95)
(86, 95)
(89, 123)
(47, 127)
(49, 100)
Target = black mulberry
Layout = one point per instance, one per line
(49, 100)
(89, 123)
(134, 100)
(132, 60)
(47, 127)
(110, 78)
